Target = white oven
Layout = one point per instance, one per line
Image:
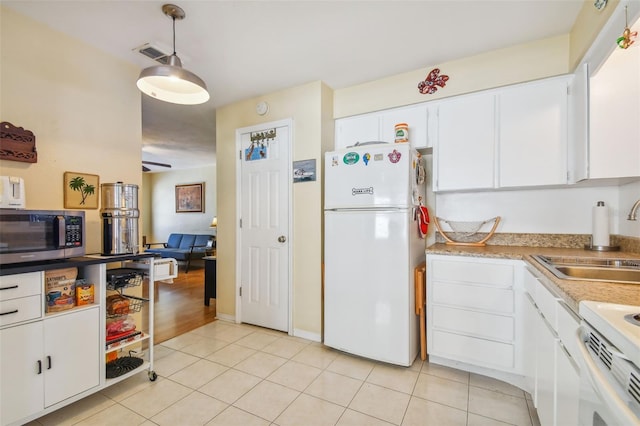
(609, 339)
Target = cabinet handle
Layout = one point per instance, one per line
(8, 288)
(49, 362)
(15, 311)
(39, 367)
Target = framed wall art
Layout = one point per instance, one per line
(190, 198)
(304, 171)
(81, 190)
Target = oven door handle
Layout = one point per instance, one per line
(602, 386)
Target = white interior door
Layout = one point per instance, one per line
(265, 187)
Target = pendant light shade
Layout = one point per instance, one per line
(171, 82)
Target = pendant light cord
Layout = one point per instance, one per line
(174, 34)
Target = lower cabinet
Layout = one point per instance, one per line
(471, 312)
(549, 366)
(45, 362)
(496, 317)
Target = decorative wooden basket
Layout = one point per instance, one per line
(466, 230)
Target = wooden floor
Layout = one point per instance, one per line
(179, 307)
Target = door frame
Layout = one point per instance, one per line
(239, 132)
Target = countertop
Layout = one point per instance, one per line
(89, 259)
(571, 291)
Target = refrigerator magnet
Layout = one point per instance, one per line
(351, 158)
(394, 156)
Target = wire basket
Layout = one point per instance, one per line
(135, 305)
(118, 279)
(466, 233)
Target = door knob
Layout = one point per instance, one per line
(282, 239)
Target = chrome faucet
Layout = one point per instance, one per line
(632, 213)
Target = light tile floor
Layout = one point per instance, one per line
(229, 374)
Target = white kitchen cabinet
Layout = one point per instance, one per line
(380, 126)
(552, 375)
(360, 128)
(465, 142)
(547, 345)
(71, 354)
(416, 118)
(530, 319)
(533, 135)
(567, 387)
(50, 360)
(45, 362)
(614, 147)
(21, 369)
(471, 314)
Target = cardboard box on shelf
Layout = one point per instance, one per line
(84, 293)
(60, 286)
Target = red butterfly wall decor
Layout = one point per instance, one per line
(428, 86)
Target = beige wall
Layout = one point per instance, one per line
(309, 106)
(82, 105)
(160, 197)
(586, 28)
(530, 61)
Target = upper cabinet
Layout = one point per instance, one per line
(464, 142)
(360, 128)
(380, 126)
(515, 136)
(533, 134)
(614, 137)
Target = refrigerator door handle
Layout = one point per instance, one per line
(377, 209)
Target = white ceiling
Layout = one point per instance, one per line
(243, 49)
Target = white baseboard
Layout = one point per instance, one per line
(225, 317)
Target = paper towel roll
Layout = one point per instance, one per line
(600, 235)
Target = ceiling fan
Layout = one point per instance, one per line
(146, 169)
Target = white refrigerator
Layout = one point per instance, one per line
(371, 246)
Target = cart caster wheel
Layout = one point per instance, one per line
(153, 376)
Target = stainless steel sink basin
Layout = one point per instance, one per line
(592, 269)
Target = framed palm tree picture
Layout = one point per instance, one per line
(81, 190)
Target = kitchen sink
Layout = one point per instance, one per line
(592, 269)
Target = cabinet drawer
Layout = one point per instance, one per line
(477, 297)
(473, 350)
(548, 305)
(496, 275)
(20, 285)
(479, 324)
(22, 309)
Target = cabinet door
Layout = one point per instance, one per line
(568, 389)
(533, 134)
(71, 359)
(360, 128)
(416, 119)
(529, 321)
(547, 344)
(22, 375)
(614, 150)
(578, 149)
(464, 149)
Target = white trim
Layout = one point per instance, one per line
(288, 122)
(314, 337)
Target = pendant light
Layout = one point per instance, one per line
(171, 82)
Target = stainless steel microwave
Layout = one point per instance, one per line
(34, 235)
